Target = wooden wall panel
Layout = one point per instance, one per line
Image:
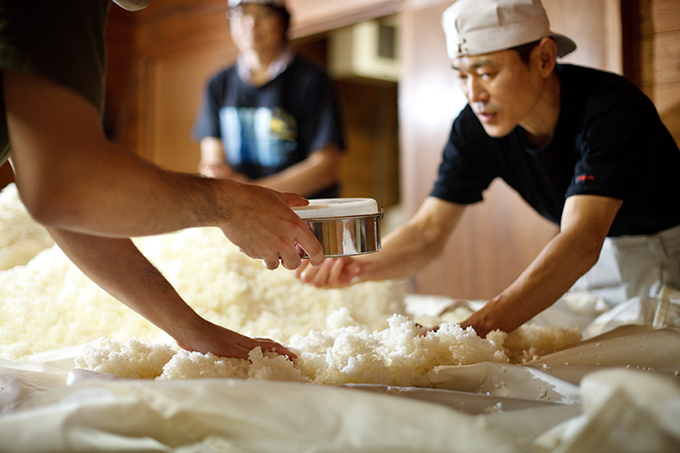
(660, 58)
(153, 89)
(653, 54)
(370, 165)
(594, 26)
(655, 16)
(177, 84)
(316, 16)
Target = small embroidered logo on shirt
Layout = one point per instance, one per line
(580, 178)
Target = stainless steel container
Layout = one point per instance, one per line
(344, 226)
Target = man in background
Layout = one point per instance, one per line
(272, 118)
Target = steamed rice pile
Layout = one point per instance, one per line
(20, 237)
(359, 334)
(344, 352)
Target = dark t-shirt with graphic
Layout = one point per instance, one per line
(268, 128)
(609, 141)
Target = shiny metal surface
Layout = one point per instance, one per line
(347, 236)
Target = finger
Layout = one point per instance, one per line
(284, 351)
(312, 246)
(292, 199)
(320, 278)
(271, 263)
(238, 352)
(309, 273)
(300, 271)
(336, 272)
(271, 345)
(302, 253)
(290, 259)
(234, 350)
(353, 273)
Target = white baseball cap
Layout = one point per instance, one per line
(132, 5)
(475, 27)
(276, 3)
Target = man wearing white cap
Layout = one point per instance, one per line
(93, 195)
(585, 148)
(272, 118)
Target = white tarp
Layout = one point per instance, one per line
(615, 392)
(619, 393)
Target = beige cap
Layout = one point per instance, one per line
(276, 3)
(132, 5)
(475, 27)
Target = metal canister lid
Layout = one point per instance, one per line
(325, 208)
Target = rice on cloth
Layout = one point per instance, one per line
(359, 334)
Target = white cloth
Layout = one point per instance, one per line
(634, 266)
(646, 263)
(619, 392)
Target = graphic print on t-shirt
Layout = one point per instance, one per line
(260, 136)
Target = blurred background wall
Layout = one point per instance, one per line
(399, 98)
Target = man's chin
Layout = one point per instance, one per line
(496, 131)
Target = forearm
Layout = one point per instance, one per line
(413, 246)
(118, 267)
(71, 177)
(136, 199)
(563, 261)
(586, 220)
(403, 253)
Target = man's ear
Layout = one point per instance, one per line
(546, 55)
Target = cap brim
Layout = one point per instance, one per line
(565, 45)
(274, 3)
(132, 5)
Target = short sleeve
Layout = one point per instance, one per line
(616, 147)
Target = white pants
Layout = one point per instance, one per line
(646, 263)
(634, 266)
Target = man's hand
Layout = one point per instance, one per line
(333, 273)
(263, 226)
(222, 342)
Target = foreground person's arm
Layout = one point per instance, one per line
(72, 178)
(405, 251)
(117, 266)
(586, 220)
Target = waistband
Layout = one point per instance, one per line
(664, 243)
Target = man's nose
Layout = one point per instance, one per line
(475, 90)
(248, 21)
